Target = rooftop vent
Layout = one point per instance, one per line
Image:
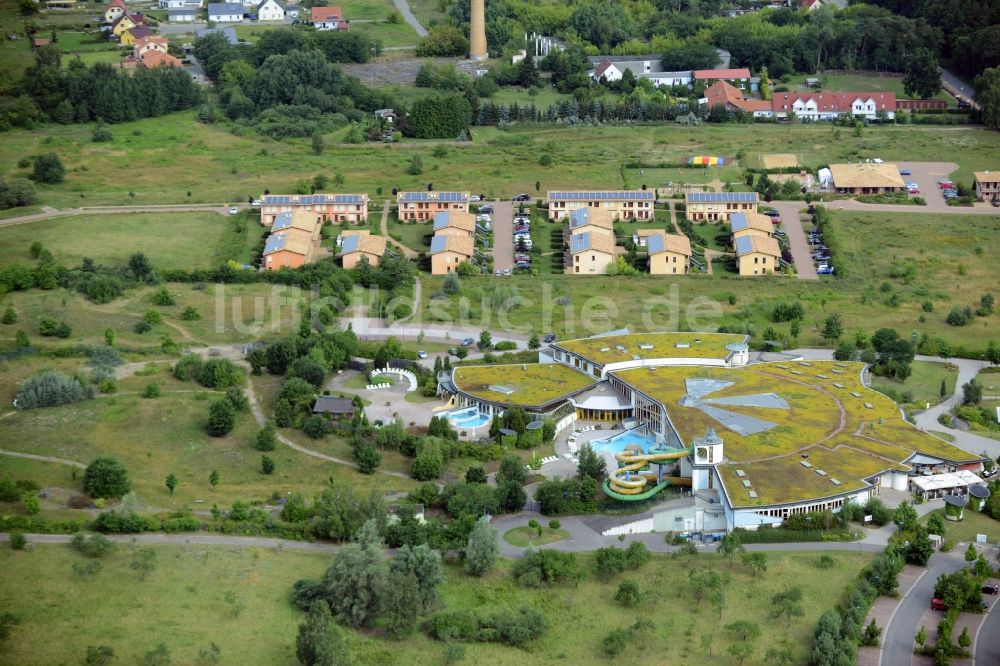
(740, 473)
(820, 472)
(645, 345)
(636, 357)
(620, 348)
(502, 388)
(697, 341)
(836, 482)
(682, 345)
(746, 483)
(753, 494)
(604, 349)
(805, 463)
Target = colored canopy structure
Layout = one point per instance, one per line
(707, 160)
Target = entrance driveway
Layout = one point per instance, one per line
(926, 175)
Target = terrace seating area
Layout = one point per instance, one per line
(406, 374)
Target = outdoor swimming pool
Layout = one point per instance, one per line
(618, 443)
(470, 417)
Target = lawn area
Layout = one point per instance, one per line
(192, 591)
(88, 58)
(710, 235)
(170, 240)
(972, 524)
(366, 9)
(528, 536)
(427, 12)
(19, 211)
(925, 382)
(390, 34)
(414, 235)
(862, 83)
(654, 177)
(78, 42)
(545, 97)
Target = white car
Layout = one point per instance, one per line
(421, 354)
(483, 218)
(474, 197)
(234, 210)
(255, 203)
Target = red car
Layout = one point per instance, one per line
(946, 185)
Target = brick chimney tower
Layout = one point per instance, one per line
(477, 31)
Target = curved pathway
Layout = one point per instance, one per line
(403, 8)
(48, 459)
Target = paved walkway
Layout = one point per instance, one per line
(883, 610)
(49, 459)
(503, 234)
(403, 8)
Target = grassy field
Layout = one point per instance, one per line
(428, 12)
(229, 313)
(390, 34)
(366, 9)
(972, 524)
(174, 155)
(78, 42)
(924, 383)
(187, 593)
(528, 536)
(169, 240)
(193, 591)
(156, 437)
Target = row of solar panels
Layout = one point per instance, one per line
(619, 195)
(433, 196)
(310, 199)
(722, 197)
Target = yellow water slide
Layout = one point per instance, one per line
(630, 463)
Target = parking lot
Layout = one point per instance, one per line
(926, 176)
(503, 235)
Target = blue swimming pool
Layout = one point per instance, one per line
(470, 417)
(618, 443)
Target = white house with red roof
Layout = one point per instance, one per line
(829, 105)
(643, 67)
(113, 11)
(329, 18)
(732, 98)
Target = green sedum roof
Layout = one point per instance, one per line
(603, 350)
(524, 385)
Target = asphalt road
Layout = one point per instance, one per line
(958, 88)
(403, 8)
(897, 647)
(988, 638)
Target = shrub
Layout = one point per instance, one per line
(315, 426)
(628, 593)
(510, 627)
(96, 545)
(162, 297)
(547, 567)
(18, 541)
(190, 314)
(221, 418)
(152, 390)
(615, 642)
(105, 356)
(219, 373)
(187, 367)
(106, 476)
(49, 389)
(48, 168)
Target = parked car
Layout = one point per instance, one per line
(506, 271)
(877, 160)
(904, 172)
(468, 342)
(474, 198)
(938, 605)
(421, 354)
(234, 210)
(996, 202)
(498, 272)
(945, 184)
(523, 265)
(914, 190)
(255, 203)
(827, 270)
(551, 337)
(990, 588)
(522, 197)
(483, 217)
(453, 351)
(488, 209)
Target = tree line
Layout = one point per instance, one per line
(79, 94)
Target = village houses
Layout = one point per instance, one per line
(352, 208)
(716, 206)
(621, 204)
(423, 206)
